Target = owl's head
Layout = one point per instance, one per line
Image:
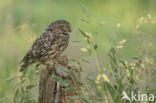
(61, 25)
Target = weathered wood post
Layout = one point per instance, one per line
(50, 90)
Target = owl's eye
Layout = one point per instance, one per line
(66, 27)
(61, 27)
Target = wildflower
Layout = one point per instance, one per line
(118, 25)
(102, 76)
(132, 64)
(137, 78)
(89, 35)
(141, 19)
(149, 16)
(119, 46)
(148, 60)
(88, 47)
(121, 64)
(105, 78)
(85, 38)
(97, 82)
(137, 26)
(128, 73)
(122, 41)
(24, 27)
(83, 49)
(151, 62)
(142, 65)
(32, 38)
(126, 63)
(99, 87)
(98, 79)
(104, 69)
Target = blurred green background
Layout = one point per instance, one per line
(21, 21)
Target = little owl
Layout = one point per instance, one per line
(48, 47)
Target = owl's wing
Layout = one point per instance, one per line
(45, 47)
(40, 46)
(43, 44)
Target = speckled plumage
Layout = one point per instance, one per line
(53, 41)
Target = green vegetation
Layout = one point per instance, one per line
(114, 41)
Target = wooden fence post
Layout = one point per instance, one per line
(50, 91)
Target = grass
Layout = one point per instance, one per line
(118, 75)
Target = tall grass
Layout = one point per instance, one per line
(123, 76)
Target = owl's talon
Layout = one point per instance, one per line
(61, 73)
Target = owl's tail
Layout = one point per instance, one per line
(23, 66)
(27, 60)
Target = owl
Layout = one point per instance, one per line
(48, 47)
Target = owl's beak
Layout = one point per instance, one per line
(69, 28)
